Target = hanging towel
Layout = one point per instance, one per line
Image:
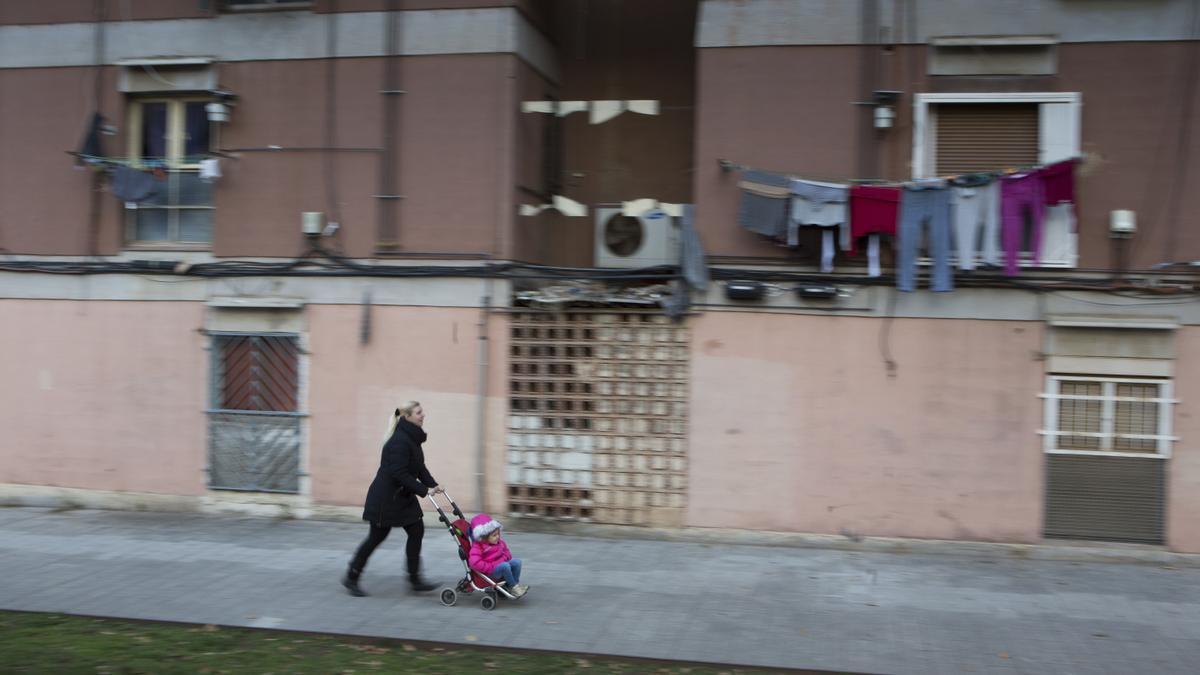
(764, 205)
(1058, 181)
(133, 185)
(210, 169)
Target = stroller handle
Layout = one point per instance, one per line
(432, 497)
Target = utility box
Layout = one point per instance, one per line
(312, 222)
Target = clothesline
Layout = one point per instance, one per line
(985, 212)
(888, 182)
(138, 162)
(120, 161)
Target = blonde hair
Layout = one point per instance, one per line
(403, 411)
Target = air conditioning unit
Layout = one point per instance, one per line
(646, 240)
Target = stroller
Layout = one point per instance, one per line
(472, 581)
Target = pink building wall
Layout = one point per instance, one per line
(796, 426)
(1183, 473)
(104, 395)
(420, 353)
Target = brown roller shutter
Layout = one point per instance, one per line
(1105, 498)
(986, 137)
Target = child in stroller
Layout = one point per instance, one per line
(490, 555)
(493, 557)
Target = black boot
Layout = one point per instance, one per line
(350, 581)
(420, 585)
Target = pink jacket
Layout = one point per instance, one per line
(484, 556)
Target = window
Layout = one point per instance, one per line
(962, 133)
(1108, 416)
(170, 137)
(255, 421)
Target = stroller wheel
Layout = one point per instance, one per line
(449, 597)
(488, 602)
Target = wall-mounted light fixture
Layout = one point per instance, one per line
(218, 110)
(885, 107)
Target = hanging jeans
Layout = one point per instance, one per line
(1022, 201)
(924, 209)
(976, 213)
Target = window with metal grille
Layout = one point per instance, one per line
(254, 424)
(258, 372)
(1121, 416)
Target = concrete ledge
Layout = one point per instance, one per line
(1050, 550)
(301, 507)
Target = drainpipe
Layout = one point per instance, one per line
(481, 404)
(95, 205)
(387, 238)
(868, 80)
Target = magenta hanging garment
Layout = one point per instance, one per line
(1058, 181)
(1022, 200)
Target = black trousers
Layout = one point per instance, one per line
(375, 537)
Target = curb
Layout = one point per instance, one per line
(66, 499)
(1055, 551)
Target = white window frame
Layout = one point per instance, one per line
(1051, 397)
(1059, 130)
(175, 145)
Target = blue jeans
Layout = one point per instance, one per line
(924, 209)
(509, 571)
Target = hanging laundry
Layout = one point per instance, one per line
(133, 185)
(976, 217)
(924, 210)
(765, 203)
(1058, 242)
(873, 212)
(1022, 202)
(210, 169)
(820, 205)
(1058, 181)
(91, 146)
(692, 263)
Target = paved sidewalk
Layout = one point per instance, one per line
(750, 605)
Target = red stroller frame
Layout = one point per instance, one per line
(473, 580)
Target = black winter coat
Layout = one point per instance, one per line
(402, 476)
